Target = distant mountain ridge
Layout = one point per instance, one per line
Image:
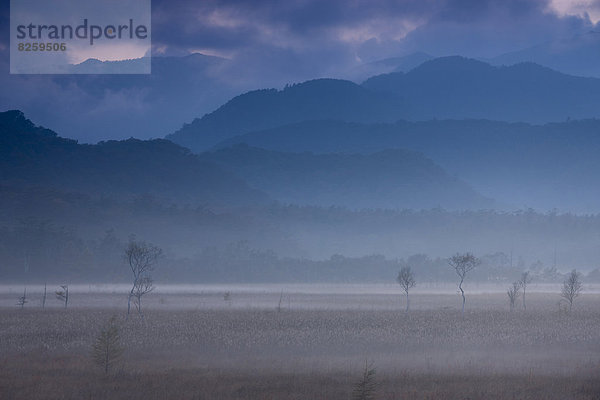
(547, 166)
(111, 106)
(32, 156)
(35, 156)
(266, 108)
(578, 55)
(389, 179)
(457, 87)
(443, 88)
(385, 66)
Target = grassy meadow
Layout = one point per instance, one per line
(261, 344)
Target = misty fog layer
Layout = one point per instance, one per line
(251, 215)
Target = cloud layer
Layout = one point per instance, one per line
(320, 36)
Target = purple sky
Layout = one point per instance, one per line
(317, 37)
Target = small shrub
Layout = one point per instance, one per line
(365, 388)
(107, 349)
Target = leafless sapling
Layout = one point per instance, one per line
(280, 300)
(145, 285)
(141, 258)
(571, 287)
(526, 279)
(63, 294)
(44, 297)
(406, 280)
(462, 265)
(513, 294)
(365, 388)
(107, 349)
(23, 299)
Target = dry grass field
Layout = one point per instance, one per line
(243, 349)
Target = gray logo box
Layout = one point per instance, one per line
(80, 37)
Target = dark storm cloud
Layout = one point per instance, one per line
(234, 24)
(372, 29)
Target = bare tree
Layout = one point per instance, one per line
(365, 388)
(513, 294)
(571, 287)
(526, 279)
(44, 297)
(145, 285)
(23, 299)
(462, 265)
(406, 279)
(280, 300)
(63, 295)
(141, 258)
(107, 347)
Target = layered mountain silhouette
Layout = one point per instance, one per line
(387, 65)
(392, 179)
(35, 156)
(261, 109)
(576, 55)
(546, 166)
(111, 106)
(457, 87)
(32, 156)
(443, 88)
